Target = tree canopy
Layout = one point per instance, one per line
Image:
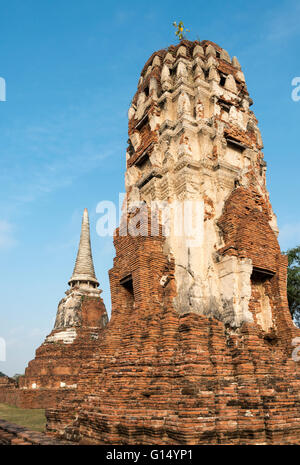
(293, 283)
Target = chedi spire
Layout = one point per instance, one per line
(81, 316)
(84, 272)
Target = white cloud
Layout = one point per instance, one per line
(42, 158)
(6, 235)
(61, 171)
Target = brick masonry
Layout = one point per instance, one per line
(57, 366)
(15, 435)
(162, 378)
(199, 346)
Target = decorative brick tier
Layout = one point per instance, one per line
(186, 380)
(199, 346)
(57, 365)
(162, 378)
(52, 375)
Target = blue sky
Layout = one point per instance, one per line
(71, 69)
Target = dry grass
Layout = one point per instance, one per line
(33, 419)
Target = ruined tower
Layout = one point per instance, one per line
(81, 317)
(194, 138)
(83, 284)
(198, 348)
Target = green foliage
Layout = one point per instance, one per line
(180, 30)
(33, 419)
(293, 283)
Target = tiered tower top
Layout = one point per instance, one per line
(194, 87)
(193, 138)
(84, 272)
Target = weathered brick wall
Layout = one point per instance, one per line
(162, 378)
(198, 349)
(193, 383)
(52, 376)
(246, 230)
(9, 392)
(38, 398)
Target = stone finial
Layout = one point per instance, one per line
(148, 71)
(235, 62)
(153, 87)
(213, 74)
(240, 76)
(199, 74)
(210, 50)
(198, 50)
(181, 70)
(141, 98)
(198, 61)
(211, 61)
(131, 113)
(166, 78)
(224, 55)
(230, 84)
(169, 57)
(165, 73)
(84, 267)
(181, 51)
(156, 61)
